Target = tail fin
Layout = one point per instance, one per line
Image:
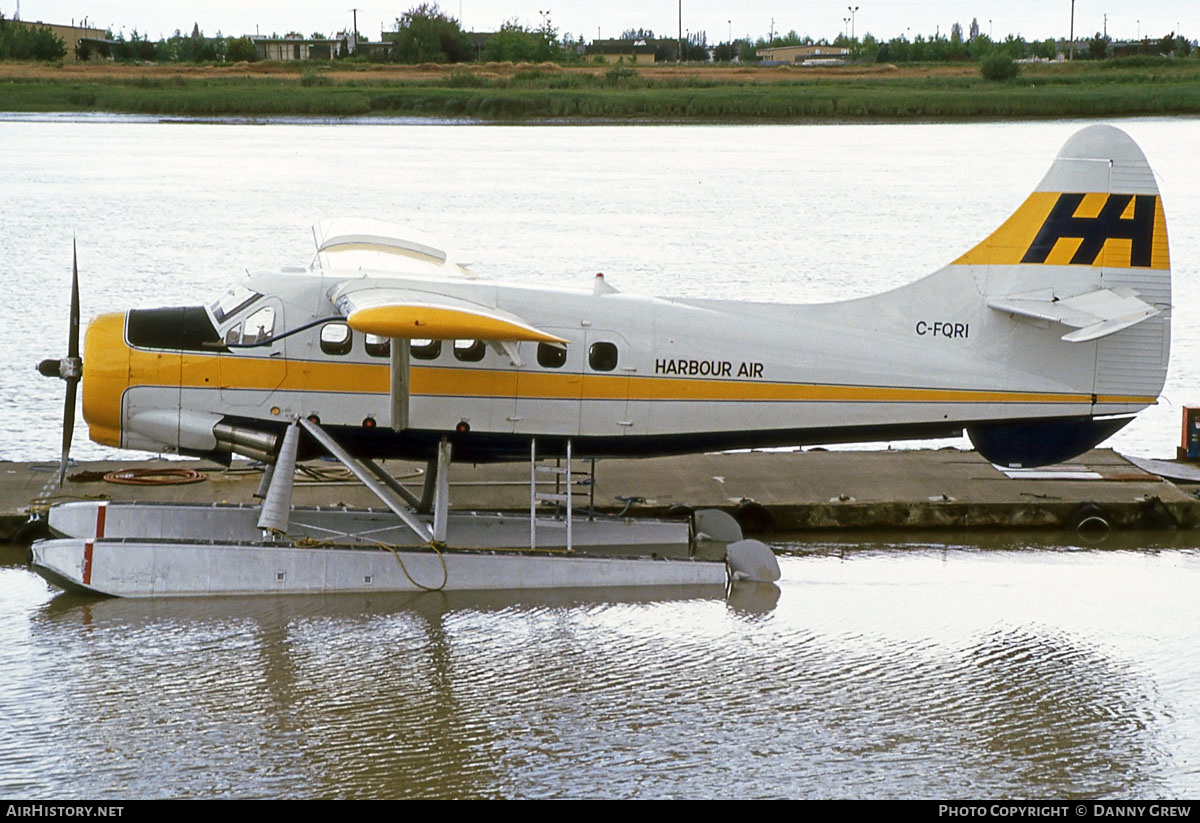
(1085, 254)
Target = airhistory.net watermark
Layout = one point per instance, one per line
(61, 810)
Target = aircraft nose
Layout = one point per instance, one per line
(105, 377)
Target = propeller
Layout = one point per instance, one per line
(69, 368)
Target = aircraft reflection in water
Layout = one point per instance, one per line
(1040, 342)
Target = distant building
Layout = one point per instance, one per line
(804, 55)
(622, 51)
(70, 35)
(299, 48)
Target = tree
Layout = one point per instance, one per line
(426, 34)
(869, 50)
(517, 44)
(1046, 49)
(136, 47)
(21, 42)
(512, 43)
(974, 30)
(239, 49)
(956, 33)
(637, 34)
(981, 47)
(747, 53)
(195, 48)
(1098, 47)
(695, 47)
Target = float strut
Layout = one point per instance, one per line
(277, 503)
(441, 496)
(368, 478)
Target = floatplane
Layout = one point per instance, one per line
(1040, 342)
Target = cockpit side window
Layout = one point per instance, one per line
(233, 301)
(259, 326)
(336, 338)
(378, 346)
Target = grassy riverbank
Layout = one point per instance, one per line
(513, 93)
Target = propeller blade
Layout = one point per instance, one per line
(69, 369)
(68, 428)
(73, 336)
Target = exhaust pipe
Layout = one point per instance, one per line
(253, 443)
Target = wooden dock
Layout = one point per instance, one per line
(768, 491)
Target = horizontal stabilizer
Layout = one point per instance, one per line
(413, 314)
(1095, 314)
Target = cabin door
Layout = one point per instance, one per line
(607, 363)
(249, 376)
(548, 386)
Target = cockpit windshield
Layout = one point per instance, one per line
(233, 301)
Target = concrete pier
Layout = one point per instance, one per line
(768, 491)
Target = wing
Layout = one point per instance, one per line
(1095, 314)
(390, 311)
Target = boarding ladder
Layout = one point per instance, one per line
(566, 477)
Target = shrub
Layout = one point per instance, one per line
(621, 75)
(310, 78)
(464, 79)
(998, 67)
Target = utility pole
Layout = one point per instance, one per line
(354, 34)
(680, 31)
(1072, 57)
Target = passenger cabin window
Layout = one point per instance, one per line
(551, 355)
(336, 338)
(378, 346)
(602, 356)
(469, 351)
(425, 349)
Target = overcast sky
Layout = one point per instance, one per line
(1033, 19)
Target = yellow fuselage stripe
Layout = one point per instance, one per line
(263, 374)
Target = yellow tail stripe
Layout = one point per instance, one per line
(1010, 244)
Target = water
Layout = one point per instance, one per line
(169, 213)
(880, 667)
(934, 670)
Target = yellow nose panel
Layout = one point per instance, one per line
(105, 377)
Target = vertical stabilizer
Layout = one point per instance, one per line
(1086, 255)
